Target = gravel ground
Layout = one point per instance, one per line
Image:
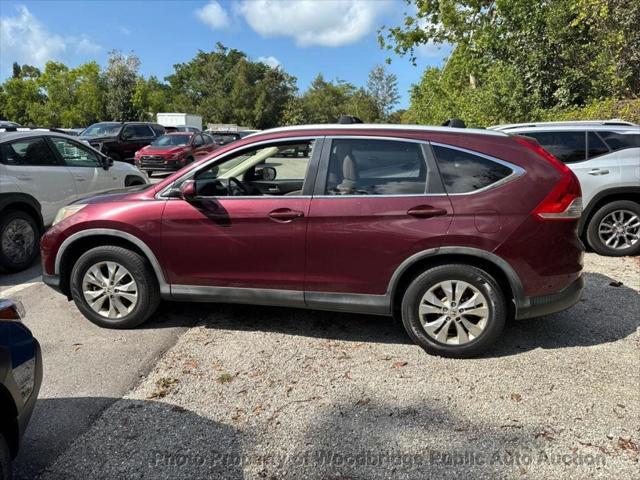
(256, 392)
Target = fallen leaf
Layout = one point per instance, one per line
(363, 401)
(516, 397)
(399, 364)
(615, 284)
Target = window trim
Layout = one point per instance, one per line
(307, 186)
(516, 171)
(427, 154)
(589, 157)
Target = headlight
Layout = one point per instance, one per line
(67, 211)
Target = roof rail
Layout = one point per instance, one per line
(28, 129)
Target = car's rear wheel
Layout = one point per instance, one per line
(19, 240)
(614, 230)
(114, 287)
(454, 311)
(5, 459)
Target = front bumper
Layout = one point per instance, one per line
(532, 307)
(158, 164)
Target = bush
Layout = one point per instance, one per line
(628, 110)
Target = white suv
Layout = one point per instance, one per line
(605, 156)
(40, 172)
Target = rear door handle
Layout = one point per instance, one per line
(24, 179)
(80, 179)
(285, 214)
(598, 171)
(426, 211)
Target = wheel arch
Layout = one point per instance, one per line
(129, 179)
(77, 244)
(498, 268)
(23, 202)
(604, 197)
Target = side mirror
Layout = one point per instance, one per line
(266, 173)
(107, 162)
(188, 190)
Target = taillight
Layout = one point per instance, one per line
(564, 202)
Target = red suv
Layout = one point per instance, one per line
(452, 230)
(173, 151)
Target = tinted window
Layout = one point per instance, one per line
(621, 140)
(157, 129)
(171, 140)
(138, 131)
(375, 167)
(197, 141)
(29, 151)
(464, 172)
(74, 155)
(596, 146)
(207, 139)
(566, 146)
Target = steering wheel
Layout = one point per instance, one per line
(238, 184)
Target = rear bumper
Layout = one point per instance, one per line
(532, 307)
(24, 415)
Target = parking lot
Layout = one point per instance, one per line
(231, 391)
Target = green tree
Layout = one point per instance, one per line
(21, 97)
(150, 97)
(383, 87)
(121, 77)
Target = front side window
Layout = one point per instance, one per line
(621, 140)
(375, 167)
(74, 155)
(244, 174)
(568, 147)
(32, 152)
(197, 140)
(102, 130)
(465, 172)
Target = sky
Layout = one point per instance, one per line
(337, 38)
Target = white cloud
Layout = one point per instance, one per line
(214, 16)
(272, 61)
(329, 23)
(433, 50)
(25, 39)
(124, 30)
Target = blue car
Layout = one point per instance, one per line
(20, 379)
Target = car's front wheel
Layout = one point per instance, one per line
(114, 287)
(454, 311)
(614, 230)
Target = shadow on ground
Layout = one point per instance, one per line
(136, 439)
(605, 314)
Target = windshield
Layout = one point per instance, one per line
(102, 129)
(171, 141)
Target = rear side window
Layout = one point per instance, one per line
(158, 129)
(464, 172)
(31, 152)
(596, 146)
(621, 140)
(567, 147)
(375, 167)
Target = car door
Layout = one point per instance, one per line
(198, 147)
(38, 172)
(222, 245)
(376, 202)
(85, 166)
(134, 137)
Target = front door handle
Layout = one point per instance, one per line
(426, 211)
(24, 178)
(80, 179)
(285, 214)
(598, 171)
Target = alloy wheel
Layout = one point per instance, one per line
(619, 229)
(110, 290)
(18, 240)
(453, 312)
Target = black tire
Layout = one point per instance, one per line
(133, 181)
(139, 268)
(189, 160)
(8, 261)
(5, 460)
(149, 173)
(480, 280)
(593, 238)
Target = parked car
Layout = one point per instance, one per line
(121, 140)
(181, 129)
(605, 156)
(173, 151)
(20, 380)
(8, 124)
(449, 229)
(223, 138)
(41, 172)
